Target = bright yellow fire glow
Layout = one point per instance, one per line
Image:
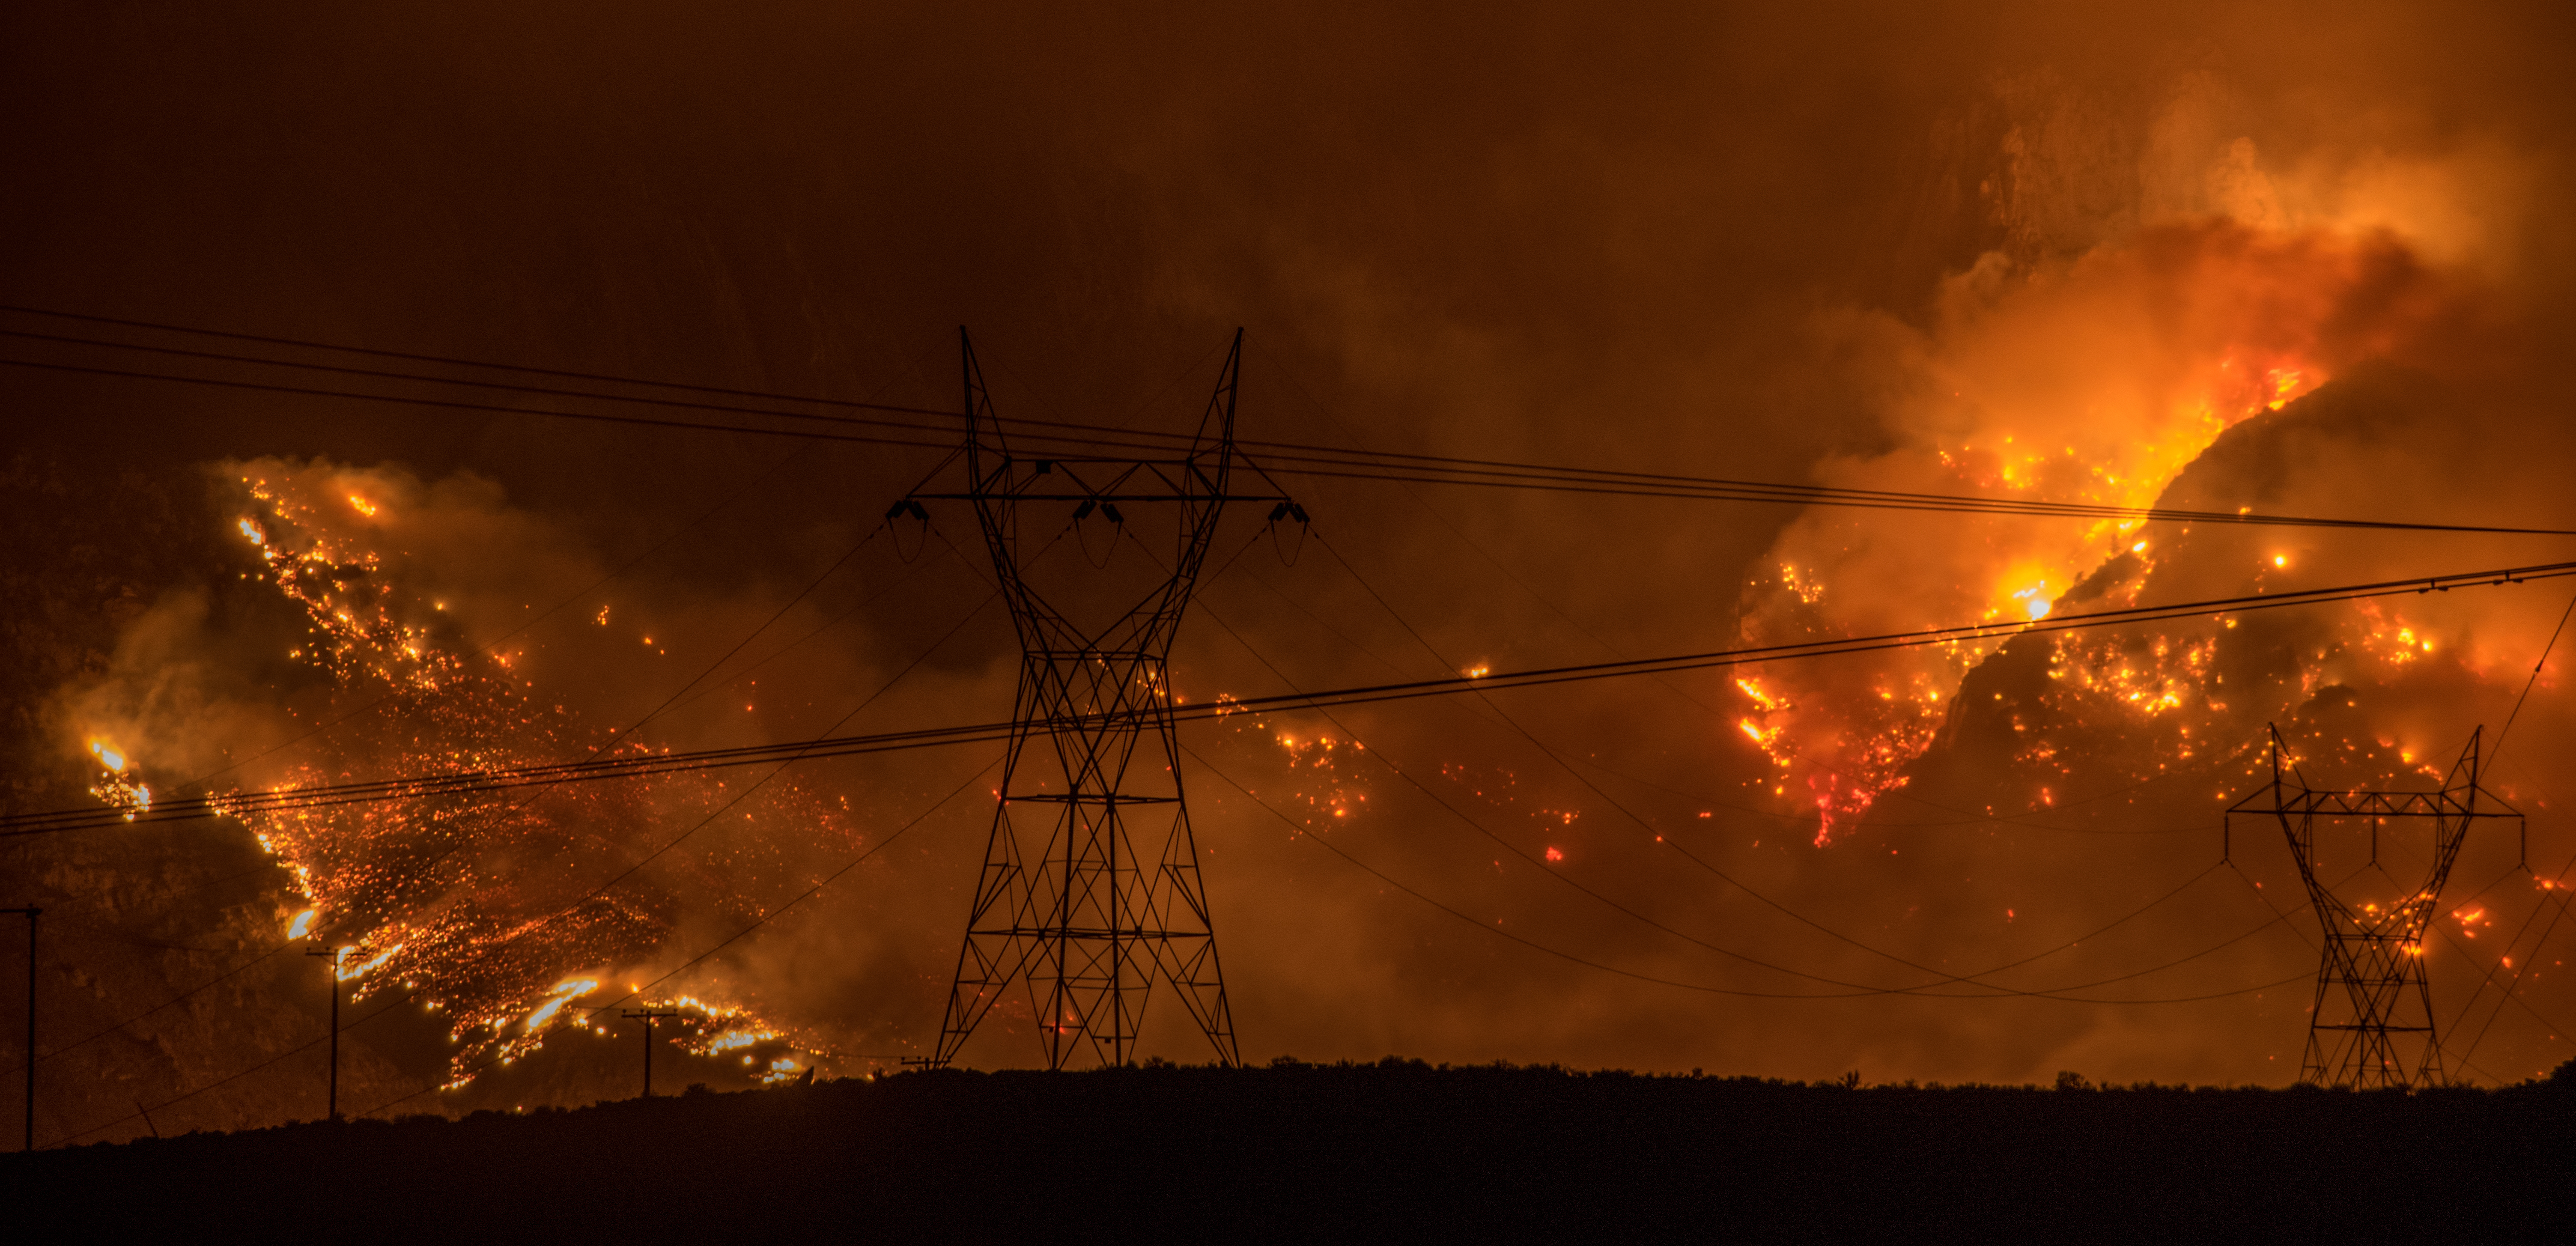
(735, 1040)
(117, 788)
(564, 993)
(367, 966)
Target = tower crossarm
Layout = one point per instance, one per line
(1090, 895)
(2372, 991)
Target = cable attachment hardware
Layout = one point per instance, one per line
(921, 536)
(1118, 525)
(1288, 552)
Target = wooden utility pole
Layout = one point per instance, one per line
(337, 955)
(648, 1017)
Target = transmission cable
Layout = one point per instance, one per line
(1291, 458)
(1491, 929)
(203, 986)
(524, 625)
(478, 780)
(1694, 858)
(1942, 978)
(771, 914)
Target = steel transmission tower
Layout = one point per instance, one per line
(2372, 1022)
(1090, 891)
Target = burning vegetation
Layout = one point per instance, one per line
(508, 913)
(2052, 276)
(2121, 377)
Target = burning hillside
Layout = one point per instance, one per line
(512, 913)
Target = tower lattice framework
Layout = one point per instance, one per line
(2371, 1024)
(1090, 891)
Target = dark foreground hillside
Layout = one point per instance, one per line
(1392, 1151)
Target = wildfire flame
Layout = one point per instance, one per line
(116, 787)
(440, 893)
(2061, 388)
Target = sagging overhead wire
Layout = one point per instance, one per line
(463, 781)
(1937, 977)
(827, 419)
(1707, 989)
(494, 644)
(631, 869)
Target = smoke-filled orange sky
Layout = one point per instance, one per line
(2300, 259)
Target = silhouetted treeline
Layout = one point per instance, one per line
(1391, 1151)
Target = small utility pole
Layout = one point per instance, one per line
(336, 955)
(32, 913)
(648, 1017)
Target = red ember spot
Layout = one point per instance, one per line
(1554, 855)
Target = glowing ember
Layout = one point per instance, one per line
(564, 993)
(2053, 386)
(480, 903)
(116, 787)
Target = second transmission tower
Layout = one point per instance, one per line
(2372, 1022)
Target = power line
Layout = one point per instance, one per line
(1965, 818)
(2556, 912)
(237, 969)
(1667, 841)
(1568, 764)
(382, 701)
(1989, 818)
(772, 914)
(2535, 674)
(141, 1111)
(202, 986)
(452, 361)
(738, 797)
(2489, 977)
(476, 781)
(495, 643)
(1069, 441)
(1504, 473)
(1941, 978)
(1706, 989)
